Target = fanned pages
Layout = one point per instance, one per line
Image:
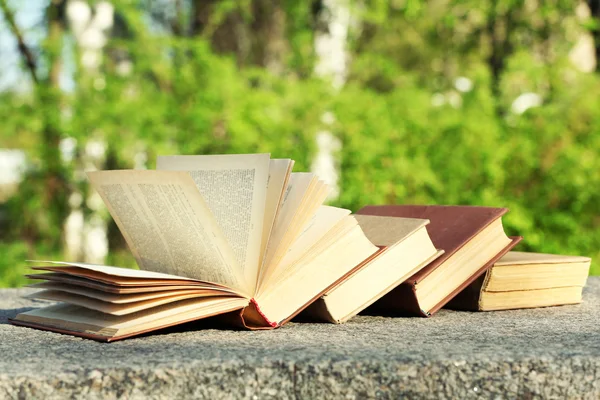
(212, 235)
(235, 190)
(168, 225)
(279, 175)
(526, 280)
(302, 198)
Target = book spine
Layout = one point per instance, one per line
(253, 318)
(270, 323)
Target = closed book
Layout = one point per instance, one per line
(526, 280)
(472, 238)
(405, 248)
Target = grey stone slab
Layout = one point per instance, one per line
(537, 353)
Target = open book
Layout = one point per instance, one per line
(212, 235)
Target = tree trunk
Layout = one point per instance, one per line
(333, 22)
(86, 226)
(501, 22)
(56, 189)
(26, 53)
(268, 35)
(257, 40)
(595, 11)
(200, 15)
(228, 35)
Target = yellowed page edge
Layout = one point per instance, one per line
(278, 175)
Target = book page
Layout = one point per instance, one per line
(112, 271)
(118, 308)
(66, 279)
(121, 281)
(279, 174)
(343, 226)
(299, 184)
(322, 222)
(167, 225)
(123, 298)
(522, 258)
(234, 187)
(281, 301)
(84, 322)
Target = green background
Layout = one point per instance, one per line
(243, 81)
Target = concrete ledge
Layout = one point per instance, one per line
(538, 353)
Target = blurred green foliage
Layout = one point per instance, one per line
(410, 134)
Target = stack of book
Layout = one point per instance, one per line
(243, 238)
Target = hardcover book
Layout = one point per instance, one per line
(406, 248)
(212, 235)
(526, 280)
(472, 238)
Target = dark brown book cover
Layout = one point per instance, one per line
(450, 228)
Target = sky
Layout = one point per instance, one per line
(29, 16)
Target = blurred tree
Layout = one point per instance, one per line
(594, 6)
(252, 30)
(445, 101)
(42, 198)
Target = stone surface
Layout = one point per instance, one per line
(537, 353)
